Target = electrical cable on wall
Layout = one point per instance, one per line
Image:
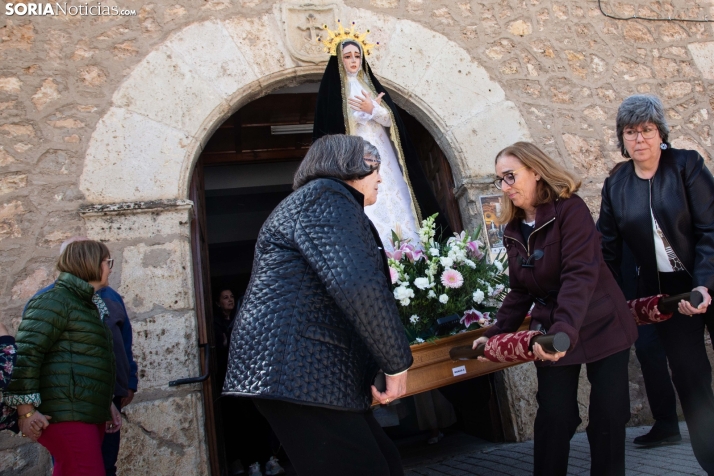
(635, 17)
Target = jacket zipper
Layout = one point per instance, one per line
(533, 233)
(670, 243)
(528, 249)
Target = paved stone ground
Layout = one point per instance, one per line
(516, 459)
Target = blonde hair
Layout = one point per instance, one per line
(83, 259)
(556, 182)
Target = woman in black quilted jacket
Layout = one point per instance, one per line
(319, 319)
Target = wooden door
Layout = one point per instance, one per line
(204, 316)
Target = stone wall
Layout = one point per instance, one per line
(563, 65)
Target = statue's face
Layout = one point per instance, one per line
(352, 58)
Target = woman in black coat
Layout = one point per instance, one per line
(660, 204)
(319, 319)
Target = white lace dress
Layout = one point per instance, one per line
(394, 202)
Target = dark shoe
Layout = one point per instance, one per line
(658, 437)
(236, 468)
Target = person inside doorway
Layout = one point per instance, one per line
(226, 309)
(257, 442)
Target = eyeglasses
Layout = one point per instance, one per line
(110, 262)
(373, 160)
(508, 177)
(647, 133)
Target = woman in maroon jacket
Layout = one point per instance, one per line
(555, 264)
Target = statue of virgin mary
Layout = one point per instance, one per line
(352, 101)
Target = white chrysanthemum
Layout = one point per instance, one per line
(403, 294)
(470, 263)
(479, 296)
(414, 319)
(434, 252)
(498, 266)
(446, 262)
(443, 299)
(489, 291)
(422, 283)
(431, 294)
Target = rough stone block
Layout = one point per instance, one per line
(141, 225)
(413, 49)
(48, 92)
(470, 86)
(157, 275)
(132, 157)
(9, 214)
(256, 40)
(703, 54)
(211, 52)
(29, 459)
(164, 88)
(10, 84)
(587, 154)
(484, 135)
(27, 288)
(165, 348)
(521, 386)
(164, 437)
(11, 182)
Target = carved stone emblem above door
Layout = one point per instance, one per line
(303, 26)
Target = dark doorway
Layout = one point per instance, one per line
(244, 172)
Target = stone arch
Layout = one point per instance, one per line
(144, 147)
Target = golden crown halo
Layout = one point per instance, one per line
(340, 35)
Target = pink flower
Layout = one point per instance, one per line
(452, 279)
(396, 255)
(471, 316)
(394, 274)
(475, 248)
(411, 252)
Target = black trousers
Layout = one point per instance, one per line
(683, 340)
(324, 442)
(658, 383)
(110, 446)
(557, 417)
(253, 443)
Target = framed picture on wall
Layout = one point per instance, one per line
(491, 206)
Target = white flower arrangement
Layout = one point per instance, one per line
(434, 279)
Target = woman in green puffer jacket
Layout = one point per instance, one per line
(65, 368)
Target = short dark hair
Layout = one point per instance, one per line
(640, 109)
(338, 156)
(83, 259)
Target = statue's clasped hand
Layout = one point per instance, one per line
(363, 103)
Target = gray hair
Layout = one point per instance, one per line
(371, 151)
(338, 156)
(639, 109)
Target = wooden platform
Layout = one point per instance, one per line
(433, 368)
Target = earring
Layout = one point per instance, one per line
(663, 146)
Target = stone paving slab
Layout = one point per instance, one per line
(516, 459)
